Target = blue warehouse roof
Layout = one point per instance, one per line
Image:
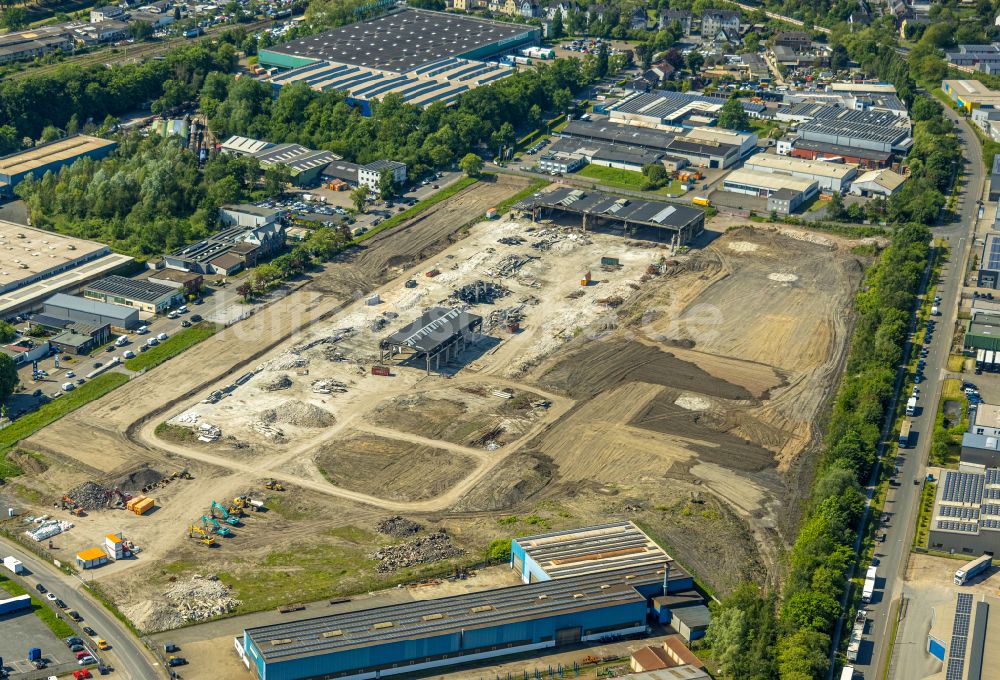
(452, 615)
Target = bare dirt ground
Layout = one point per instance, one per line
(655, 393)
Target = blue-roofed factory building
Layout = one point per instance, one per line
(601, 587)
(422, 55)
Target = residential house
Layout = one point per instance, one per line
(798, 41)
(715, 20)
(528, 9)
(550, 10)
(639, 20)
(681, 16)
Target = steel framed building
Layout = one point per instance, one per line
(429, 634)
(658, 220)
(438, 333)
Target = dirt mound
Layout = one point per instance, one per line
(295, 412)
(33, 465)
(135, 482)
(432, 548)
(89, 495)
(398, 526)
(601, 365)
(196, 599)
(518, 477)
(280, 382)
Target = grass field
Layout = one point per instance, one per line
(626, 179)
(171, 347)
(56, 409)
(59, 628)
(423, 205)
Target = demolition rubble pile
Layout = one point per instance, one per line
(196, 599)
(431, 548)
(397, 526)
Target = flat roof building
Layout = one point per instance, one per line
(248, 216)
(618, 133)
(655, 220)
(813, 150)
(965, 636)
(970, 94)
(422, 635)
(983, 331)
(705, 153)
(861, 135)
(830, 176)
(788, 192)
(605, 547)
(989, 262)
(33, 42)
(304, 164)
(15, 167)
(91, 312)
(663, 107)
(422, 55)
(966, 514)
(143, 295)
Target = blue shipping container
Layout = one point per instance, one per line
(34, 654)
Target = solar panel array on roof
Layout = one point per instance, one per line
(963, 487)
(958, 512)
(991, 253)
(949, 525)
(405, 40)
(959, 637)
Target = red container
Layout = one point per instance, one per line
(380, 370)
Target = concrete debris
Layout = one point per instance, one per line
(295, 412)
(508, 265)
(270, 431)
(480, 292)
(511, 240)
(331, 339)
(281, 382)
(89, 495)
(196, 599)
(398, 526)
(187, 418)
(285, 362)
(431, 548)
(328, 386)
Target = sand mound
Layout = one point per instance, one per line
(743, 246)
(782, 278)
(295, 412)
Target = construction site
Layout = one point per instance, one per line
(566, 378)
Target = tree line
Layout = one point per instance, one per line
(759, 636)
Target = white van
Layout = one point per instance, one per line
(161, 337)
(142, 330)
(121, 341)
(68, 387)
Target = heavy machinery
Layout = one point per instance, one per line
(207, 522)
(274, 485)
(122, 497)
(201, 535)
(226, 516)
(71, 505)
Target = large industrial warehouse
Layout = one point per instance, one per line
(834, 177)
(655, 220)
(423, 56)
(602, 595)
(966, 515)
(15, 167)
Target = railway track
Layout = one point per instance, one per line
(133, 53)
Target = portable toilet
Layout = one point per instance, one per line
(34, 654)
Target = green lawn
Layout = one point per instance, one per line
(171, 347)
(423, 205)
(56, 409)
(59, 627)
(924, 514)
(626, 179)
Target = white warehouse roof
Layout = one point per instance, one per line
(791, 164)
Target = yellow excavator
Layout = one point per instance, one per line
(201, 535)
(274, 485)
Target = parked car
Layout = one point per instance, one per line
(52, 597)
(73, 640)
(161, 337)
(89, 631)
(40, 588)
(61, 604)
(87, 660)
(77, 648)
(176, 661)
(185, 324)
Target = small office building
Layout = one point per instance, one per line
(80, 338)
(248, 216)
(92, 312)
(784, 193)
(189, 282)
(143, 295)
(369, 175)
(831, 177)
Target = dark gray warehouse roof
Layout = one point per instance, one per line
(132, 289)
(852, 151)
(618, 133)
(655, 213)
(816, 111)
(436, 326)
(414, 620)
(403, 40)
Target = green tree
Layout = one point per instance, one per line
(602, 60)
(8, 376)
(141, 30)
(471, 165)
(7, 332)
(50, 133)
(839, 59)
(557, 25)
(732, 115)
(386, 187)
(14, 18)
(276, 178)
(359, 197)
(695, 60)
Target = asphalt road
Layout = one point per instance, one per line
(128, 656)
(903, 497)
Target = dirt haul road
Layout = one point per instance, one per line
(96, 438)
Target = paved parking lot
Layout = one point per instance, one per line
(22, 631)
